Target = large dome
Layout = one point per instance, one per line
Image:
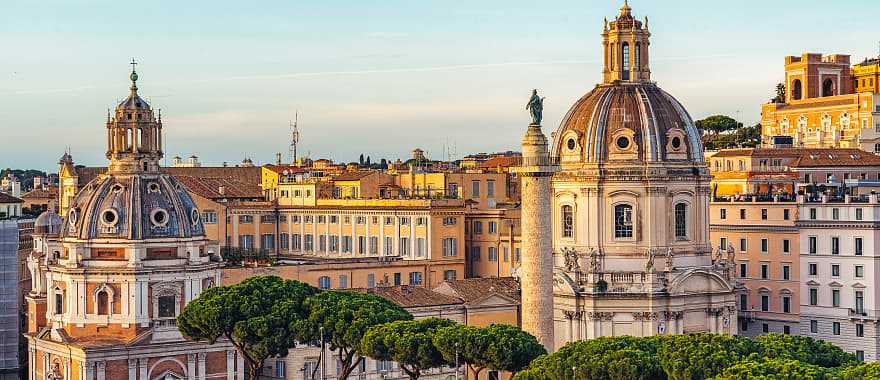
(135, 207)
(627, 121)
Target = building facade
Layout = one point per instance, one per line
(630, 210)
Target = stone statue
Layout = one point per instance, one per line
(649, 266)
(571, 260)
(669, 259)
(594, 261)
(536, 107)
(730, 253)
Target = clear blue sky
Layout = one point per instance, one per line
(379, 77)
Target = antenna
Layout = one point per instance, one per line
(294, 137)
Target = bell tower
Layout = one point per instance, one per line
(625, 45)
(134, 134)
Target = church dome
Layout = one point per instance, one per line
(135, 207)
(627, 121)
(47, 223)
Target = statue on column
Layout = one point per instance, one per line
(571, 260)
(649, 266)
(669, 255)
(535, 106)
(594, 261)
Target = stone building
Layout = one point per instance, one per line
(629, 206)
(108, 283)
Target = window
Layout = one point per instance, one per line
(516, 254)
(860, 330)
(449, 221)
(860, 302)
(723, 214)
(743, 302)
(493, 227)
(835, 270)
(785, 214)
(245, 219)
(333, 219)
(492, 253)
(361, 220)
(362, 245)
(346, 244)
(490, 189)
(297, 242)
(858, 246)
(764, 214)
(835, 328)
(324, 282)
(389, 220)
(765, 303)
(786, 246)
(796, 91)
(814, 326)
(743, 244)
(492, 375)
(421, 221)
(308, 242)
(835, 297)
(743, 270)
(624, 53)
(449, 275)
(835, 213)
(209, 217)
(280, 369)
(764, 245)
(858, 214)
(786, 304)
(813, 214)
(420, 247)
(167, 306)
(765, 271)
(267, 241)
(812, 244)
(722, 243)
(415, 278)
(765, 328)
(786, 329)
(505, 254)
(680, 220)
(384, 365)
(450, 247)
(786, 272)
(322, 218)
(567, 221)
(403, 249)
(103, 304)
(475, 254)
(388, 248)
(334, 243)
(371, 280)
(814, 297)
(246, 241)
(860, 271)
(744, 325)
(284, 240)
(267, 219)
(478, 227)
(814, 269)
(860, 355)
(374, 245)
(475, 189)
(835, 245)
(397, 278)
(742, 213)
(322, 243)
(343, 281)
(623, 221)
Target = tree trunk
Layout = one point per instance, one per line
(255, 371)
(413, 374)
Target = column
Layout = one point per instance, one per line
(142, 367)
(239, 365)
(258, 239)
(90, 370)
(429, 239)
(230, 365)
(412, 236)
(187, 291)
(191, 366)
(132, 369)
(234, 236)
(289, 234)
(102, 370)
(201, 366)
(67, 371)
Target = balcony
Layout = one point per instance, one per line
(863, 314)
(621, 283)
(165, 329)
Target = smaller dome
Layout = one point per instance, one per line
(48, 223)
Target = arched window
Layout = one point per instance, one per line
(103, 304)
(681, 220)
(623, 226)
(624, 54)
(324, 282)
(567, 221)
(638, 56)
(796, 89)
(828, 87)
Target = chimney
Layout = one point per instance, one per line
(277, 158)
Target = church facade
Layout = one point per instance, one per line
(111, 276)
(628, 211)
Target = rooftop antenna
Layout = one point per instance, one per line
(294, 137)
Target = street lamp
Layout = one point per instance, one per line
(573, 372)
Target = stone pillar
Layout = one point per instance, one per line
(536, 268)
(102, 370)
(191, 366)
(201, 366)
(230, 365)
(142, 368)
(132, 369)
(90, 370)
(239, 362)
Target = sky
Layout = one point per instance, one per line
(376, 77)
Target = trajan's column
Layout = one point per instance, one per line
(536, 268)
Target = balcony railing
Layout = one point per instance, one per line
(534, 161)
(165, 323)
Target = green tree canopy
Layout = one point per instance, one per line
(804, 349)
(605, 358)
(256, 316)
(409, 343)
(702, 355)
(773, 369)
(344, 317)
(866, 371)
(469, 344)
(717, 124)
(511, 349)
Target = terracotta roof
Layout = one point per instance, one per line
(244, 174)
(475, 289)
(352, 176)
(51, 192)
(281, 168)
(87, 173)
(809, 157)
(6, 198)
(850, 100)
(499, 161)
(210, 187)
(413, 296)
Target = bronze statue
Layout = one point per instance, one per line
(535, 107)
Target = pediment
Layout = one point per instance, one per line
(859, 285)
(494, 300)
(813, 283)
(835, 284)
(699, 281)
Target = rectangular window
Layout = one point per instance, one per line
(814, 326)
(723, 214)
(860, 271)
(743, 302)
(743, 244)
(421, 250)
(389, 220)
(478, 227)
(388, 249)
(765, 303)
(493, 254)
(722, 243)
(813, 244)
(786, 329)
(786, 246)
(858, 246)
(403, 249)
(449, 221)
(450, 247)
(334, 219)
(343, 281)
(835, 297)
(814, 297)
(475, 189)
(449, 275)
(835, 328)
(765, 271)
(280, 369)
(764, 245)
(743, 270)
(294, 218)
(860, 330)
(475, 254)
(267, 219)
(814, 269)
(786, 304)
(835, 213)
(764, 214)
(742, 213)
(860, 302)
(246, 241)
(490, 189)
(765, 328)
(415, 278)
(835, 245)
(835, 270)
(493, 227)
(813, 214)
(346, 244)
(322, 218)
(297, 242)
(209, 217)
(516, 254)
(245, 219)
(284, 240)
(334, 243)
(267, 241)
(374, 245)
(860, 355)
(785, 214)
(371, 280)
(362, 245)
(322, 243)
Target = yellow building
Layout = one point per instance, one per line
(827, 104)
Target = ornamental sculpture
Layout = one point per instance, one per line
(535, 106)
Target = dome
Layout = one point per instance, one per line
(133, 206)
(629, 121)
(47, 223)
